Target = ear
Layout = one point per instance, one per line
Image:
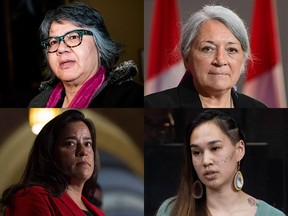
(186, 64)
(240, 150)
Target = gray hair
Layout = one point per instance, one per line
(82, 15)
(224, 15)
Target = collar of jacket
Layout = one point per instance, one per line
(116, 76)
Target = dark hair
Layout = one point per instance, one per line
(185, 203)
(42, 169)
(82, 15)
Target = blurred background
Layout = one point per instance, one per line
(265, 165)
(21, 59)
(119, 142)
(173, 69)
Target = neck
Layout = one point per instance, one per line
(75, 193)
(230, 202)
(217, 101)
(72, 88)
(223, 198)
(70, 93)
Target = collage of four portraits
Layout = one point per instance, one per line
(144, 107)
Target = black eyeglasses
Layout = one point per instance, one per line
(71, 39)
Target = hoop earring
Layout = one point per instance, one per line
(238, 179)
(197, 189)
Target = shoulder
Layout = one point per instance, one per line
(167, 99)
(29, 201)
(178, 97)
(40, 100)
(128, 94)
(33, 190)
(244, 101)
(266, 209)
(166, 207)
(32, 195)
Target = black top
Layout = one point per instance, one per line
(119, 92)
(88, 213)
(186, 96)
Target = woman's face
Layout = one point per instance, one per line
(214, 157)
(215, 60)
(74, 151)
(73, 65)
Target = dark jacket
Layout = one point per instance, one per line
(186, 96)
(117, 91)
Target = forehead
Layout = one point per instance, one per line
(59, 29)
(213, 30)
(207, 132)
(75, 128)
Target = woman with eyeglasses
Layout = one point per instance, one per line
(80, 57)
(60, 177)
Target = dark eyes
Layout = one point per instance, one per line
(73, 37)
(197, 152)
(208, 49)
(73, 144)
(232, 50)
(88, 144)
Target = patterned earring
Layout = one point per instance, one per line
(238, 179)
(197, 189)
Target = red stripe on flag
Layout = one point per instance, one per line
(264, 39)
(165, 35)
(265, 78)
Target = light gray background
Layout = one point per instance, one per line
(244, 8)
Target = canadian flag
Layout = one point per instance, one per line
(265, 79)
(165, 67)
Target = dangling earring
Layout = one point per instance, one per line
(238, 179)
(197, 189)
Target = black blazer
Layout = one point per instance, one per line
(186, 96)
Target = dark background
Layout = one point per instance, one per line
(264, 169)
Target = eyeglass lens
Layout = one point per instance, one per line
(71, 39)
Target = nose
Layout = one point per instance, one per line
(207, 159)
(81, 151)
(63, 47)
(220, 58)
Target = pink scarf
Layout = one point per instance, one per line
(83, 96)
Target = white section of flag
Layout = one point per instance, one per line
(275, 95)
(169, 78)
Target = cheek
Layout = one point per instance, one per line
(238, 65)
(52, 62)
(196, 162)
(199, 65)
(65, 159)
(225, 159)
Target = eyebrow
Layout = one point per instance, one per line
(213, 142)
(74, 137)
(211, 42)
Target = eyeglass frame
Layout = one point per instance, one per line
(81, 32)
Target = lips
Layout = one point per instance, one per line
(210, 175)
(219, 73)
(83, 163)
(66, 63)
